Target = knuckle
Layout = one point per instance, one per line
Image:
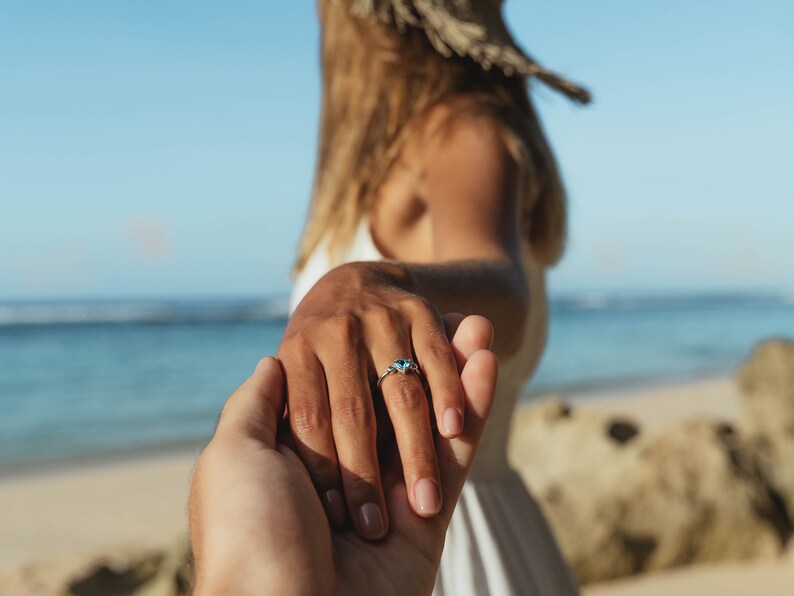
(417, 306)
(407, 396)
(383, 317)
(425, 316)
(354, 413)
(438, 351)
(308, 417)
(346, 327)
(435, 329)
(297, 345)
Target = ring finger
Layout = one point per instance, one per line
(406, 403)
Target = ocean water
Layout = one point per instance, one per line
(106, 377)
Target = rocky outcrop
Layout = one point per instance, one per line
(572, 463)
(621, 501)
(767, 382)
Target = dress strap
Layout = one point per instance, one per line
(362, 248)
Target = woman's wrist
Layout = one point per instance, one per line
(393, 274)
(496, 289)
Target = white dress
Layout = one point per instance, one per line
(498, 542)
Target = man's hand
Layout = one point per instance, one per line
(257, 524)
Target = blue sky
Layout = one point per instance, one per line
(166, 149)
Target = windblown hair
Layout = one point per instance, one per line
(378, 86)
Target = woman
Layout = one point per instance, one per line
(435, 192)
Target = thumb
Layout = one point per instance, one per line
(257, 407)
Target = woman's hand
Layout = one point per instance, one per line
(257, 525)
(356, 321)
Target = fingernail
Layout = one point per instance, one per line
(453, 424)
(426, 496)
(371, 521)
(334, 507)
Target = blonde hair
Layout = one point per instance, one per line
(378, 85)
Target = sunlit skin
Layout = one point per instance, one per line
(258, 526)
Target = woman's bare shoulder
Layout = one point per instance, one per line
(463, 134)
(458, 138)
(454, 167)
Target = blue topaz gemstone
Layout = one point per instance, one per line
(403, 365)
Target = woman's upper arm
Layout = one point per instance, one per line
(471, 185)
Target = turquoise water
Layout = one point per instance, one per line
(634, 342)
(93, 378)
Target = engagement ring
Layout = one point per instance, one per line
(402, 366)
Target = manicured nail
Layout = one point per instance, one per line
(334, 507)
(453, 422)
(372, 521)
(426, 496)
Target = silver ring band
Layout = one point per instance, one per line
(402, 366)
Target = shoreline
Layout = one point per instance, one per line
(20, 470)
(627, 385)
(631, 390)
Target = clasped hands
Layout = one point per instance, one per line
(262, 523)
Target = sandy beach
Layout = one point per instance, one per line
(54, 521)
(49, 515)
